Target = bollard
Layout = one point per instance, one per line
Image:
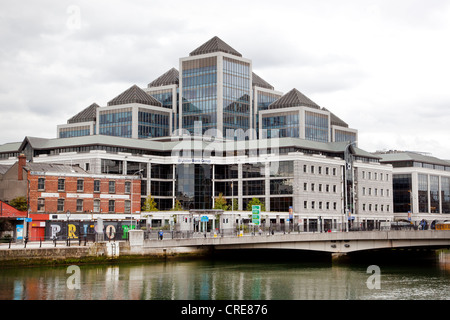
(40, 242)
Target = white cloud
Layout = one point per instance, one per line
(381, 66)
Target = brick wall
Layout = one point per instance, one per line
(50, 194)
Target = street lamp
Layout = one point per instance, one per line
(68, 216)
(348, 166)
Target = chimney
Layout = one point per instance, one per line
(22, 163)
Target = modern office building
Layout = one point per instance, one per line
(213, 126)
(421, 185)
(217, 87)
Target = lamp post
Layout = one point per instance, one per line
(68, 216)
(348, 167)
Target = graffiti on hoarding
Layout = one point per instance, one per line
(113, 230)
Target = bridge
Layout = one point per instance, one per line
(333, 242)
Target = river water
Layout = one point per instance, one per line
(224, 279)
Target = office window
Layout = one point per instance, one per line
(41, 184)
(96, 205)
(127, 187)
(41, 205)
(127, 206)
(61, 184)
(112, 187)
(96, 185)
(80, 185)
(79, 205)
(111, 205)
(60, 206)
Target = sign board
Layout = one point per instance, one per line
(25, 219)
(256, 215)
(204, 219)
(19, 231)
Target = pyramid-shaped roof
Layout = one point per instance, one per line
(134, 95)
(170, 77)
(335, 120)
(293, 98)
(88, 114)
(215, 45)
(260, 82)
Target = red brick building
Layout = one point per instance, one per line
(55, 188)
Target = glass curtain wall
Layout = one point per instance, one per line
(74, 132)
(423, 192)
(402, 184)
(445, 194)
(152, 124)
(236, 95)
(316, 127)
(434, 194)
(116, 122)
(195, 195)
(264, 99)
(199, 93)
(287, 124)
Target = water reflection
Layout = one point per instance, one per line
(229, 280)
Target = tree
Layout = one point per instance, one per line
(178, 206)
(256, 202)
(220, 203)
(149, 204)
(20, 203)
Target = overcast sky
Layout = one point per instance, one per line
(381, 66)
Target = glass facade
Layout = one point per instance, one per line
(287, 124)
(264, 99)
(445, 194)
(193, 186)
(74, 132)
(236, 94)
(402, 185)
(423, 193)
(316, 126)
(199, 92)
(153, 124)
(434, 194)
(342, 135)
(116, 122)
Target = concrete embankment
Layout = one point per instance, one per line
(99, 252)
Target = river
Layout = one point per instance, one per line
(222, 279)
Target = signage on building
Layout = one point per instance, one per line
(256, 215)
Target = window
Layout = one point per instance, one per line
(305, 186)
(127, 187)
(79, 205)
(96, 205)
(96, 185)
(41, 184)
(111, 206)
(112, 187)
(305, 204)
(127, 206)
(334, 171)
(41, 205)
(61, 184)
(60, 206)
(80, 185)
